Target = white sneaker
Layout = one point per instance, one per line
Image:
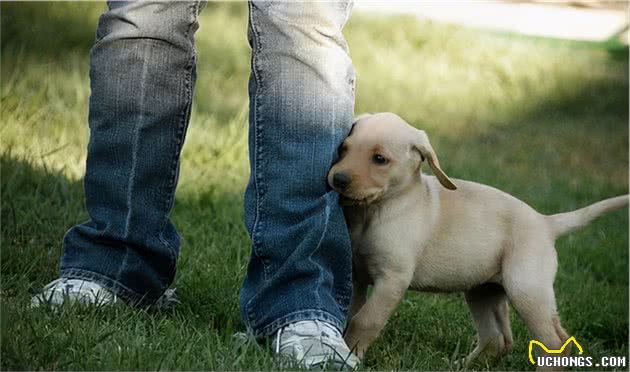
(64, 290)
(313, 344)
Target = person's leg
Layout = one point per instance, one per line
(301, 106)
(142, 78)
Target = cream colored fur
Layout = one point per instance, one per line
(414, 231)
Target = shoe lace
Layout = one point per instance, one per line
(278, 340)
(327, 334)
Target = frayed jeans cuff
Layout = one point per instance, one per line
(119, 290)
(296, 316)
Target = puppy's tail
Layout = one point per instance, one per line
(563, 223)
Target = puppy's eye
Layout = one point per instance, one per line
(379, 159)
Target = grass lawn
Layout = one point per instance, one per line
(546, 121)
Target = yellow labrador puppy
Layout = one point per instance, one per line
(411, 230)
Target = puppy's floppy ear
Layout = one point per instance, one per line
(423, 146)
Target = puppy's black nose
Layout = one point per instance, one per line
(341, 180)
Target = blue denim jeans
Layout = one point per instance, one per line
(301, 92)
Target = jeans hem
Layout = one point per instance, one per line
(127, 295)
(297, 316)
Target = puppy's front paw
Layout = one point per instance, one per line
(355, 345)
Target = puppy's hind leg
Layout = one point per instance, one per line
(491, 314)
(538, 311)
(529, 286)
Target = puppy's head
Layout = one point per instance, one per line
(382, 156)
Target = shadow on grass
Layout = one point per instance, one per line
(47, 29)
(51, 29)
(40, 205)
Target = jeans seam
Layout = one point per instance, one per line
(258, 174)
(346, 296)
(181, 130)
(256, 234)
(184, 116)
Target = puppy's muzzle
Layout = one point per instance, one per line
(340, 181)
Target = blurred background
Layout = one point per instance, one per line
(529, 97)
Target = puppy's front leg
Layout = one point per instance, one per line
(359, 297)
(367, 324)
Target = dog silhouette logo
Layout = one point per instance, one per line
(552, 351)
